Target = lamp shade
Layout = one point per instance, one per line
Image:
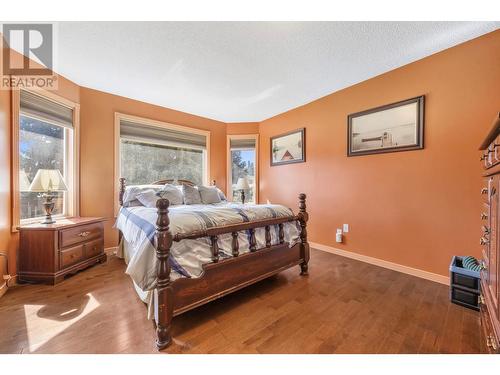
(242, 183)
(48, 179)
(24, 182)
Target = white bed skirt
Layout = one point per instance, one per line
(124, 252)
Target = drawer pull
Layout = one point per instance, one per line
(83, 234)
(484, 191)
(484, 216)
(490, 342)
(482, 265)
(483, 241)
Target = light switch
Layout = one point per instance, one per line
(346, 228)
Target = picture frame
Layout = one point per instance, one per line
(288, 148)
(389, 128)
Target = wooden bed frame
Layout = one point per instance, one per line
(222, 276)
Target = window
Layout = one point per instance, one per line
(45, 140)
(242, 162)
(149, 150)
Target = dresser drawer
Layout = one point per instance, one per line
(71, 256)
(93, 248)
(82, 233)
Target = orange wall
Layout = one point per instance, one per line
(414, 208)
(5, 218)
(243, 128)
(97, 154)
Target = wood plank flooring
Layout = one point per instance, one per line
(343, 306)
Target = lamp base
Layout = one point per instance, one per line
(48, 220)
(48, 206)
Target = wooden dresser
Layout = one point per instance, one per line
(490, 241)
(47, 253)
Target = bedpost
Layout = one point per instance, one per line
(164, 306)
(122, 190)
(304, 248)
(120, 200)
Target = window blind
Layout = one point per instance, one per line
(40, 108)
(130, 130)
(242, 144)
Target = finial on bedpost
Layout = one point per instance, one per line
(164, 304)
(122, 190)
(303, 218)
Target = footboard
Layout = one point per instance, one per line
(232, 274)
(222, 276)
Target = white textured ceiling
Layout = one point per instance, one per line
(244, 71)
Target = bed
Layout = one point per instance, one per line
(181, 257)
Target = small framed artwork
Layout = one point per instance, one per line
(389, 128)
(289, 148)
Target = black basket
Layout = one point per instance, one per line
(465, 287)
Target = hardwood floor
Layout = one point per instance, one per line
(343, 306)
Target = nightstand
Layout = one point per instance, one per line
(49, 252)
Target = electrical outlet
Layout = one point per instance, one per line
(346, 228)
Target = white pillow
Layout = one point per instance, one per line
(209, 195)
(191, 194)
(172, 193)
(148, 198)
(130, 194)
(222, 196)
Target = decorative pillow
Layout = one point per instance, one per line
(191, 195)
(221, 194)
(148, 198)
(172, 193)
(209, 195)
(130, 194)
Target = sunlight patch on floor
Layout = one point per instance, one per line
(44, 322)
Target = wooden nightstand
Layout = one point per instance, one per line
(47, 253)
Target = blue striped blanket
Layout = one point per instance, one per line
(187, 256)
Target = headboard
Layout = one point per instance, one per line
(171, 181)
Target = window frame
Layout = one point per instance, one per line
(229, 172)
(155, 123)
(72, 153)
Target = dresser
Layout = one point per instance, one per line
(48, 253)
(490, 241)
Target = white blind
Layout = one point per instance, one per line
(40, 108)
(151, 134)
(242, 144)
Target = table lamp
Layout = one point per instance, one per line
(242, 185)
(46, 182)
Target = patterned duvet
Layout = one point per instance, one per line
(187, 256)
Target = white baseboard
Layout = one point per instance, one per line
(111, 250)
(383, 263)
(3, 289)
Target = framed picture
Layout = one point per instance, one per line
(289, 148)
(393, 127)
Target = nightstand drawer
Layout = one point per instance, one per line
(80, 234)
(71, 256)
(93, 248)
